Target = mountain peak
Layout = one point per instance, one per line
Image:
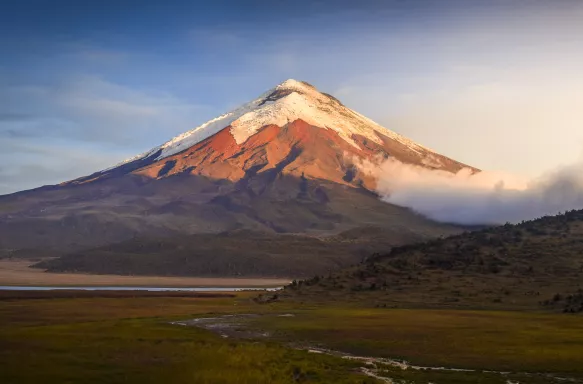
(295, 84)
(287, 102)
(303, 88)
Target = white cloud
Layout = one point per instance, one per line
(478, 198)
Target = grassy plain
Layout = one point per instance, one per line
(482, 340)
(129, 340)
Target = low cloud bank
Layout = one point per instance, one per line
(480, 198)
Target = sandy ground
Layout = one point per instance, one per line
(18, 273)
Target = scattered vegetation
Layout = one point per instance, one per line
(570, 303)
(510, 266)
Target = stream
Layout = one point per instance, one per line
(234, 326)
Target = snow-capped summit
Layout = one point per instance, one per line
(292, 128)
(287, 102)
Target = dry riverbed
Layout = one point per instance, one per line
(387, 370)
(19, 273)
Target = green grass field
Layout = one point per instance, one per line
(129, 340)
(483, 340)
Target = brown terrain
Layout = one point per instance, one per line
(237, 253)
(19, 273)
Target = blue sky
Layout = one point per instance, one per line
(85, 84)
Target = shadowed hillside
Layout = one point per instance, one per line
(235, 253)
(532, 264)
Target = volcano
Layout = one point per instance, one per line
(285, 162)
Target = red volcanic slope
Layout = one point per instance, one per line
(297, 149)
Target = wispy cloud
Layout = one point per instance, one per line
(101, 56)
(92, 109)
(27, 164)
(52, 133)
(525, 119)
